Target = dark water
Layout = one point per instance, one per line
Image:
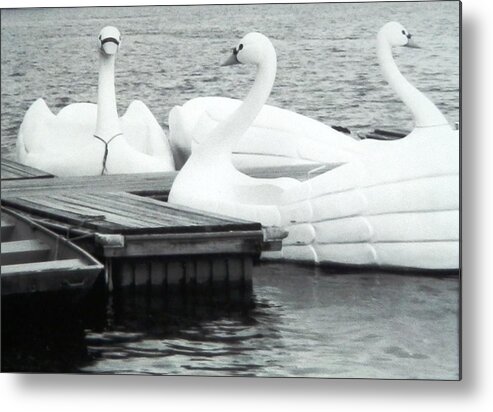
(301, 321)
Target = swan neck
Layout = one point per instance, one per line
(108, 123)
(425, 113)
(225, 135)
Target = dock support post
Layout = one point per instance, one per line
(108, 274)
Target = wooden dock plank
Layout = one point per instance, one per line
(124, 218)
(32, 206)
(188, 244)
(81, 213)
(140, 183)
(12, 170)
(58, 202)
(190, 217)
(171, 217)
(119, 214)
(127, 205)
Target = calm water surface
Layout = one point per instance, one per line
(327, 64)
(301, 321)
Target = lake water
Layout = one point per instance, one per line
(302, 321)
(327, 65)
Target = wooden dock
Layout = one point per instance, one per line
(13, 171)
(156, 185)
(36, 261)
(125, 221)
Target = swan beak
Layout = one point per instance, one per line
(230, 60)
(110, 45)
(412, 44)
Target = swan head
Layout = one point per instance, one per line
(254, 48)
(109, 40)
(397, 35)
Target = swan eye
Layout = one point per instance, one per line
(236, 50)
(404, 32)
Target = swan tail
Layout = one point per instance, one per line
(30, 138)
(347, 217)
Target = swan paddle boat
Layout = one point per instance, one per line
(395, 207)
(427, 117)
(90, 139)
(275, 137)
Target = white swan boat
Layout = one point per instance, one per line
(394, 205)
(275, 137)
(90, 139)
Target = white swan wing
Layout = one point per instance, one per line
(33, 130)
(380, 212)
(143, 132)
(277, 136)
(45, 134)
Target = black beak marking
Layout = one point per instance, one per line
(409, 35)
(110, 40)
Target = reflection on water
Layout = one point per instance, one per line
(301, 321)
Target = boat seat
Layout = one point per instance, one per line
(24, 251)
(38, 267)
(7, 228)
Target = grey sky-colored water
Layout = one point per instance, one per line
(327, 65)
